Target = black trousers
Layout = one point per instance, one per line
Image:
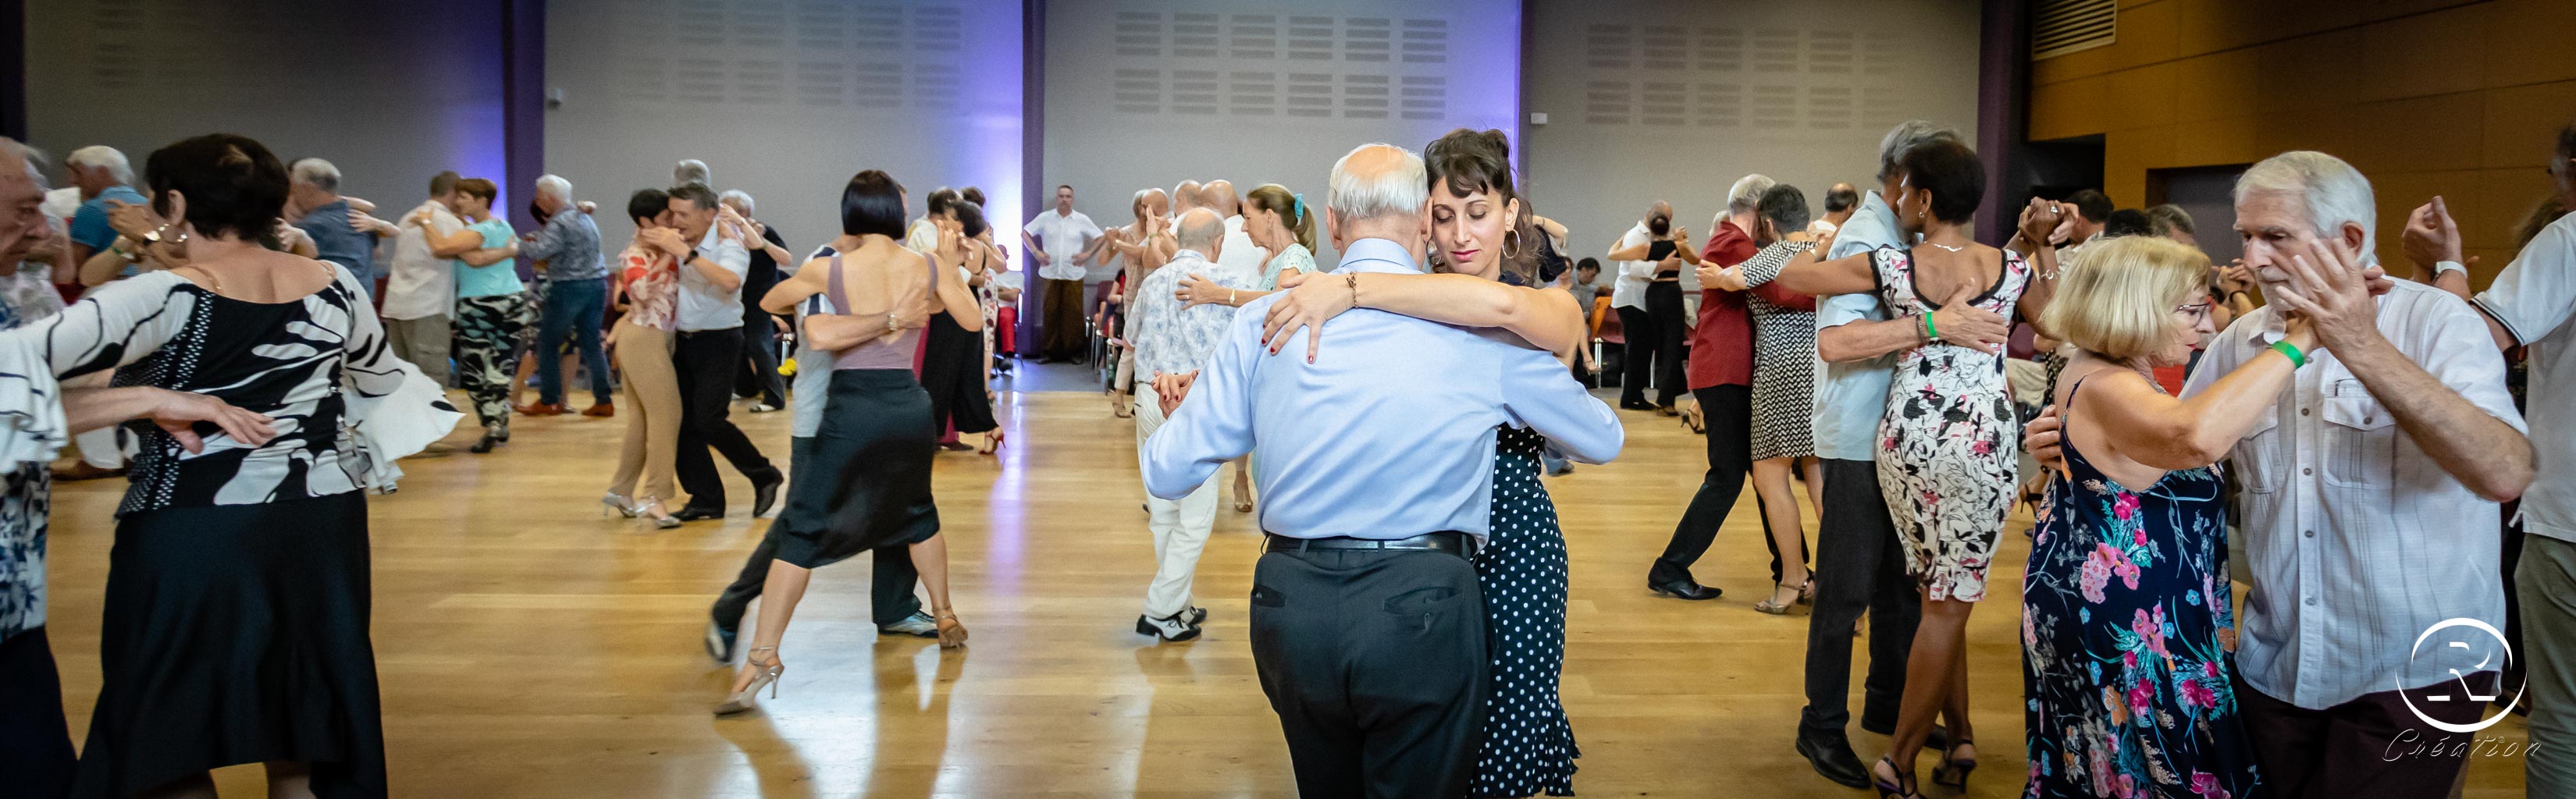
(1666, 313)
(758, 378)
(1728, 411)
(1375, 662)
(890, 596)
(2375, 745)
(35, 741)
(704, 361)
(1859, 567)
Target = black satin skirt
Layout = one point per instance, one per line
(866, 482)
(237, 634)
(952, 370)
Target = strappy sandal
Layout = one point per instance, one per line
(1891, 789)
(1953, 770)
(952, 633)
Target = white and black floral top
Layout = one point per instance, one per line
(26, 488)
(343, 406)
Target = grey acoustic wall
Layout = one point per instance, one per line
(390, 92)
(1151, 92)
(786, 101)
(1676, 99)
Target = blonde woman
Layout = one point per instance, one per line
(2126, 594)
(1279, 222)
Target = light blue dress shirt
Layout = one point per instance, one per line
(1854, 394)
(1170, 338)
(1388, 434)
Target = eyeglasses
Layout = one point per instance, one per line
(2195, 312)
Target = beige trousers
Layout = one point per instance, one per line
(652, 410)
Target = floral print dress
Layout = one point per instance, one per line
(2129, 641)
(1949, 445)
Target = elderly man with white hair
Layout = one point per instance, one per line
(103, 177)
(576, 298)
(2369, 504)
(1173, 339)
(314, 202)
(770, 261)
(1368, 625)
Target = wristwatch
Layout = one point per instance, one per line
(2440, 267)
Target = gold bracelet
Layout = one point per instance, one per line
(1355, 288)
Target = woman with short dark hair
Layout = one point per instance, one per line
(236, 622)
(868, 486)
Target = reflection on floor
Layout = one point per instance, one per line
(529, 647)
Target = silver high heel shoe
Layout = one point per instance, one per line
(651, 508)
(743, 700)
(616, 502)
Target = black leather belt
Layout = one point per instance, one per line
(1459, 544)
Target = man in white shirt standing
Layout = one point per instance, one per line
(1057, 240)
(1172, 339)
(1239, 249)
(706, 353)
(420, 287)
(1628, 300)
(2369, 508)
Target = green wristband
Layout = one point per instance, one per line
(2297, 358)
(1930, 333)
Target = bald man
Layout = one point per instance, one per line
(1239, 249)
(1368, 623)
(1172, 339)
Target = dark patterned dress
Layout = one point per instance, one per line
(2129, 641)
(1949, 447)
(1784, 362)
(1529, 746)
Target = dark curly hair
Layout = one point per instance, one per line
(233, 184)
(1468, 162)
(1954, 175)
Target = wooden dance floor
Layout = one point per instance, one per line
(529, 647)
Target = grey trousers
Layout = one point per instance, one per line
(423, 342)
(2546, 582)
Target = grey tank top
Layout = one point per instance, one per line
(886, 352)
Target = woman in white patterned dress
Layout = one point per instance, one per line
(1947, 459)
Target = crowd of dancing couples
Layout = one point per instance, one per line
(1407, 614)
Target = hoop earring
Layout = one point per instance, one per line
(1511, 241)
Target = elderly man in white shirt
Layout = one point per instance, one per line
(2369, 507)
(707, 351)
(1172, 338)
(1058, 241)
(420, 287)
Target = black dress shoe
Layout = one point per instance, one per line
(1685, 589)
(694, 513)
(765, 493)
(1831, 754)
(1636, 405)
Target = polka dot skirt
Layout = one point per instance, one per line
(1529, 746)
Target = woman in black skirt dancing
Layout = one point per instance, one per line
(952, 366)
(868, 485)
(235, 627)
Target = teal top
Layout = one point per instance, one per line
(502, 277)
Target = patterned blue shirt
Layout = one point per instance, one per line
(1174, 340)
(569, 244)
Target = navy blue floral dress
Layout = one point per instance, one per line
(2129, 641)
(1529, 746)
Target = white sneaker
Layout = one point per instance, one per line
(1169, 628)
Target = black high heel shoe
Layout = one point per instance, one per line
(1891, 789)
(1953, 771)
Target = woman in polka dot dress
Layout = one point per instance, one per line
(1483, 240)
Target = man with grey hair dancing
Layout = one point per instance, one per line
(576, 299)
(1368, 626)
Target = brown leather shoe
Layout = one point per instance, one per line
(540, 409)
(600, 410)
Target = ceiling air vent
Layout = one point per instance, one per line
(2066, 26)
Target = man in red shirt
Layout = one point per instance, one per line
(1721, 377)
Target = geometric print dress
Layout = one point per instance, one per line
(2129, 641)
(1949, 453)
(1528, 747)
(1785, 365)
